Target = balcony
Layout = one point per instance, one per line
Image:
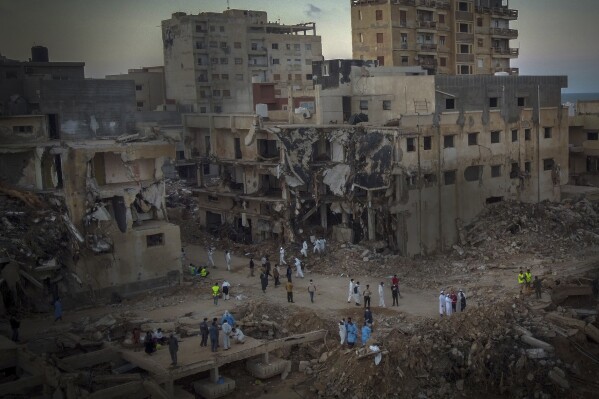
(464, 38)
(403, 24)
(444, 27)
(404, 46)
(405, 2)
(504, 33)
(427, 62)
(464, 58)
(464, 16)
(258, 51)
(511, 71)
(501, 12)
(505, 52)
(426, 25)
(427, 48)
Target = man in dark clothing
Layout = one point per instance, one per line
(267, 267)
(395, 295)
(538, 286)
(289, 289)
(14, 325)
(173, 348)
(264, 281)
(276, 275)
(367, 295)
(204, 332)
(213, 330)
(289, 272)
(368, 316)
(149, 345)
(454, 301)
(251, 266)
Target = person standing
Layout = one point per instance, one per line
(226, 327)
(528, 280)
(282, 256)
(521, 280)
(149, 345)
(462, 298)
(264, 281)
(252, 266)
(289, 289)
(351, 290)
(277, 275)
(447, 305)
(454, 301)
(367, 294)
(226, 287)
(382, 295)
(311, 290)
(366, 332)
(395, 280)
(298, 268)
(538, 286)
(357, 293)
(342, 331)
(368, 317)
(173, 348)
(213, 331)
(211, 257)
(229, 318)
(395, 295)
(215, 292)
(15, 323)
(352, 333)
(289, 273)
(57, 310)
(316, 247)
(204, 332)
(442, 303)
(228, 259)
(304, 250)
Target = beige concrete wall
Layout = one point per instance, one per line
(149, 88)
(29, 129)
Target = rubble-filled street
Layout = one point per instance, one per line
(505, 344)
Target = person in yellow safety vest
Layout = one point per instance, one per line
(528, 277)
(204, 272)
(192, 270)
(215, 292)
(521, 280)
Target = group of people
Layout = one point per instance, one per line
(153, 339)
(448, 302)
(525, 282)
(348, 330)
(212, 331)
(223, 290)
(356, 294)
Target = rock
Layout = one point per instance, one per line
(558, 376)
(166, 326)
(459, 384)
(323, 357)
(303, 365)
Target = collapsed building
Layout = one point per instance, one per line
(435, 151)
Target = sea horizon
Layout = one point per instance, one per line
(574, 97)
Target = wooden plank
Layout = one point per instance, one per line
(31, 279)
(21, 385)
(117, 390)
(384, 352)
(91, 358)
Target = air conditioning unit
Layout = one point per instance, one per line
(307, 115)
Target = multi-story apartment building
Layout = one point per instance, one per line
(214, 61)
(453, 37)
(149, 86)
(584, 144)
(435, 152)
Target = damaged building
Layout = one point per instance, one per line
(83, 195)
(435, 151)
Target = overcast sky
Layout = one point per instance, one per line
(556, 37)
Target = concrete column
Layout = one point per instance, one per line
(323, 216)
(214, 375)
(344, 217)
(266, 358)
(371, 217)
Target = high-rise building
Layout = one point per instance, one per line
(213, 61)
(453, 37)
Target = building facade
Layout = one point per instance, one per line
(212, 60)
(584, 144)
(149, 86)
(411, 177)
(446, 37)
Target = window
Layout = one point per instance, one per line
(223, 44)
(404, 60)
(514, 135)
(200, 62)
(473, 173)
(427, 142)
(495, 170)
(463, 6)
(213, 44)
(448, 141)
(213, 29)
(363, 104)
(212, 198)
(25, 129)
(515, 171)
(472, 138)
(429, 179)
(274, 46)
(222, 28)
(199, 28)
(464, 28)
(155, 240)
(411, 144)
(527, 167)
(138, 87)
(403, 17)
(479, 22)
(288, 46)
(449, 103)
(297, 61)
(238, 61)
(237, 45)
(464, 49)
(215, 76)
(548, 164)
(379, 15)
(442, 19)
(480, 63)
(465, 70)
(226, 93)
(449, 177)
(199, 45)
(495, 137)
(275, 61)
(309, 76)
(239, 77)
(411, 180)
(387, 105)
(493, 102)
(237, 145)
(308, 46)
(480, 42)
(443, 61)
(360, 15)
(215, 93)
(214, 60)
(297, 47)
(521, 101)
(592, 135)
(276, 76)
(254, 46)
(547, 132)
(298, 76)
(527, 134)
(441, 40)
(202, 110)
(224, 61)
(289, 77)
(379, 38)
(224, 76)
(218, 109)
